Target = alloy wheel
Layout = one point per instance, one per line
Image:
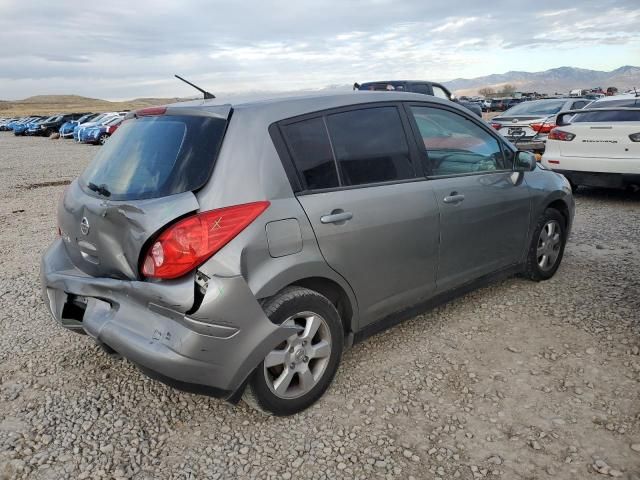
(297, 364)
(549, 244)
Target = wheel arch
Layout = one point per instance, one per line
(336, 293)
(561, 206)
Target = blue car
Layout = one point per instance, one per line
(21, 128)
(66, 130)
(99, 120)
(99, 134)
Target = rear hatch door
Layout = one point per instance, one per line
(142, 179)
(602, 140)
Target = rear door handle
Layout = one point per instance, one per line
(336, 217)
(455, 197)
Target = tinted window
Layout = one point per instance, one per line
(537, 107)
(370, 146)
(626, 102)
(311, 152)
(420, 88)
(607, 116)
(456, 145)
(152, 157)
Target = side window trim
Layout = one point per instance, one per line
(298, 184)
(333, 152)
(418, 138)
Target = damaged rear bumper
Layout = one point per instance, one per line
(212, 350)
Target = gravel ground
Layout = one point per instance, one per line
(515, 381)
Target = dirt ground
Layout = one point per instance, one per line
(518, 380)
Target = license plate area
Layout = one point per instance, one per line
(515, 132)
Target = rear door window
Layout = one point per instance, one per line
(370, 146)
(456, 145)
(310, 150)
(156, 156)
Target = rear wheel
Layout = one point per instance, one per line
(103, 138)
(298, 371)
(547, 246)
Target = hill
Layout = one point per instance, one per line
(562, 80)
(51, 104)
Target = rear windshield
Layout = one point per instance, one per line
(151, 157)
(608, 116)
(625, 102)
(536, 107)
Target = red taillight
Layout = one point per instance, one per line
(150, 111)
(561, 135)
(189, 242)
(497, 126)
(545, 127)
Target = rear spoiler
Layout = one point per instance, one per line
(560, 117)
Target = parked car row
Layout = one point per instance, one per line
(94, 128)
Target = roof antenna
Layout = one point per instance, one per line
(207, 95)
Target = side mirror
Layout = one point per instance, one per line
(524, 162)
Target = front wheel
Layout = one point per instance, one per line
(298, 371)
(547, 246)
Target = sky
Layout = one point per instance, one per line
(126, 49)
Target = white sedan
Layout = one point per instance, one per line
(596, 147)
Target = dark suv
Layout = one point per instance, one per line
(418, 86)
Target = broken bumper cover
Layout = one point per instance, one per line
(212, 350)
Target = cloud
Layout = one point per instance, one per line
(121, 49)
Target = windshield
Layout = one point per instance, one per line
(608, 116)
(84, 118)
(152, 157)
(98, 118)
(536, 107)
(113, 121)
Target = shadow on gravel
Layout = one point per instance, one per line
(607, 194)
(54, 183)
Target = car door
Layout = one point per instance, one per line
(484, 206)
(374, 215)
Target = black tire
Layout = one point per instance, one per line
(533, 270)
(289, 302)
(103, 139)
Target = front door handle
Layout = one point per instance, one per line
(336, 216)
(455, 197)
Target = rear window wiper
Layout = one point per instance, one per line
(101, 189)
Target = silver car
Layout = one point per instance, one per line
(238, 250)
(527, 124)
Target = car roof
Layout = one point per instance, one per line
(286, 107)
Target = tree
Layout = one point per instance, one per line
(507, 90)
(487, 92)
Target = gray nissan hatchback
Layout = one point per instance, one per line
(238, 250)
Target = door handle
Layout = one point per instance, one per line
(455, 197)
(336, 217)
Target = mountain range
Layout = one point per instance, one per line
(561, 80)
